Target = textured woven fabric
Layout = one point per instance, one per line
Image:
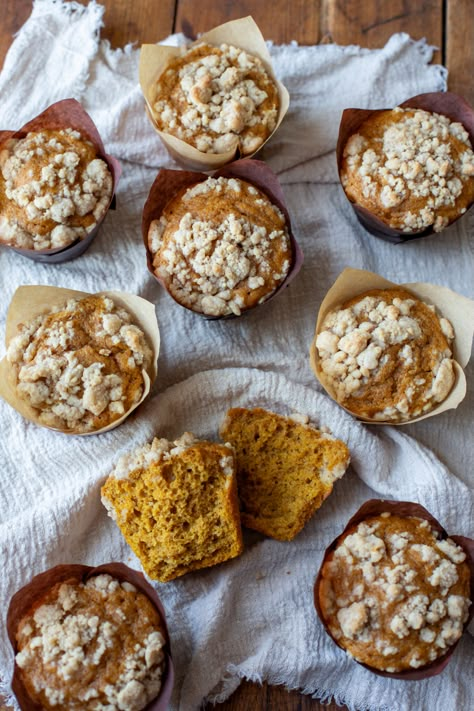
(252, 617)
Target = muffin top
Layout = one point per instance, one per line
(386, 355)
(53, 189)
(411, 168)
(92, 645)
(394, 594)
(221, 247)
(217, 99)
(80, 366)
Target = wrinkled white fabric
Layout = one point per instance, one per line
(252, 617)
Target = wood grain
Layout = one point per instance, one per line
(279, 20)
(460, 47)
(371, 23)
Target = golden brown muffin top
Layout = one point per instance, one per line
(386, 355)
(394, 595)
(53, 189)
(80, 366)
(221, 247)
(88, 644)
(217, 99)
(411, 168)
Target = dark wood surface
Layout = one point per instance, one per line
(448, 24)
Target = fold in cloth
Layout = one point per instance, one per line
(252, 617)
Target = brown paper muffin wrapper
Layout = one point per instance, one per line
(446, 103)
(66, 114)
(242, 33)
(375, 507)
(22, 602)
(30, 301)
(459, 310)
(168, 183)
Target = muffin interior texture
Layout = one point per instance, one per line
(285, 469)
(176, 505)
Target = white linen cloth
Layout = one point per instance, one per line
(252, 617)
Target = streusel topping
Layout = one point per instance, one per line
(394, 594)
(386, 355)
(217, 99)
(53, 189)
(90, 646)
(221, 247)
(80, 367)
(412, 168)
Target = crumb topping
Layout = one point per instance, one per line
(391, 597)
(413, 168)
(386, 355)
(94, 645)
(53, 189)
(217, 99)
(80, 366)
(221, 247)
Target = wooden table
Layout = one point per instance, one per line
(445, 23)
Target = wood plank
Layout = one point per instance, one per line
(286, 20)
(371, 23)
(460, 47)
(125, 21)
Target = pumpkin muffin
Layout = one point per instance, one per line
(394, 594)
(411, 168)
(80, 367)
(286, 468)
(54, 189)
(385, 355)
(85, 646)
(217, 99)
(176, 505)
(221, 247)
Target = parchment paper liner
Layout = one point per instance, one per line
(446, 103)
(25, 598)
(31, 301)
(67, 114)
(168, 183)
(374, 507)
(456, 308)
(242, 33)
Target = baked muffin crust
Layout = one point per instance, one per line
(80, 366)
(221, 247)
(54, 189)
(393, 594)
(90, 646)
(386, 355)
(217, 99)
(411, 168)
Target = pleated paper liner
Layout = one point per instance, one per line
(169, 183)
(458, 309)
(30, 301)
(448, 104)
(66, 114)
(154, 59)
(30, 595)
(375, 507)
